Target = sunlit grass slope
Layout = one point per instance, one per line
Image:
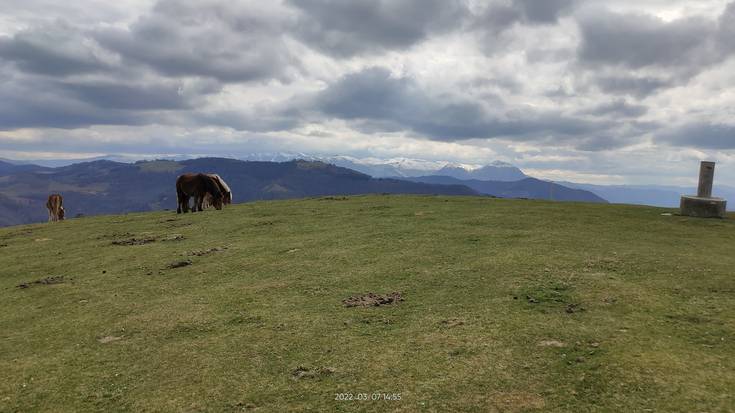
(509, 306)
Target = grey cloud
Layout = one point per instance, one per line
(700, 135)
(546, 11)
(726, 32)
(637, 41)
(38, 102)
(492, 24)
(617, 108)
(682, 48)
(112, 95)
(227, 41)
(348, 28)
(56, 50)
(375, 100)
(639, 45)
(257, 120)
(639, 87)
(500, 15)
(35, 106)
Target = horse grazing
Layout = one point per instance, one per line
(196, 186)
(223, 187)
(55, 208)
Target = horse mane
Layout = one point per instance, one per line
(222, 183)
(223, 186)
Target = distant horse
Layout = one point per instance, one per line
(223, 187)
(55, 208)
(196, 186)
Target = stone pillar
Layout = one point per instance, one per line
(706, 179)
(704, 205)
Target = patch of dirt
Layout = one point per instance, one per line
(609, 300)
(173, 237)
(44, 281)
(607, 264)
(179, 264)
(452, 322)
(551, 343)
(109, 339)
(574, 308)
(134, 241)
(373, 300)
(302, 372)
(42, 239)
(264, 223)
(518, 401)
(201, 253)
(245, 406)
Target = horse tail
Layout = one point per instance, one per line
(180, 196)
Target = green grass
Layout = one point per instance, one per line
(510, 306)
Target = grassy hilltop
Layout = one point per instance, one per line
(509, 306)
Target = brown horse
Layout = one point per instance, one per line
(196, 186)
(223, 187)
(55, 208)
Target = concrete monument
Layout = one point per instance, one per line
(703, 205)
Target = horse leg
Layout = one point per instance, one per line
(197, 203)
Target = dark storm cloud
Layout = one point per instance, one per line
(375, 100)
(348, 28)
(700, 135)
(227, 41)
(55, 50)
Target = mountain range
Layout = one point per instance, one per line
(110, 184)
(107, 187)
(531, 188)
(654, 195)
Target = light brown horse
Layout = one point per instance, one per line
(55, 208)
(196, 186)
(223, 187)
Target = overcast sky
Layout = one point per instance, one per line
(618, 91)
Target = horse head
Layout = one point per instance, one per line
(217, 202)
(213, 189)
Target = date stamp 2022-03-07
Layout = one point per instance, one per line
(367, 397)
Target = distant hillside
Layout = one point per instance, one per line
(7, 168)
(654, 195)
(531, 188)
(106, 187)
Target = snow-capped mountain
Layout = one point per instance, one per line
(407, 168)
